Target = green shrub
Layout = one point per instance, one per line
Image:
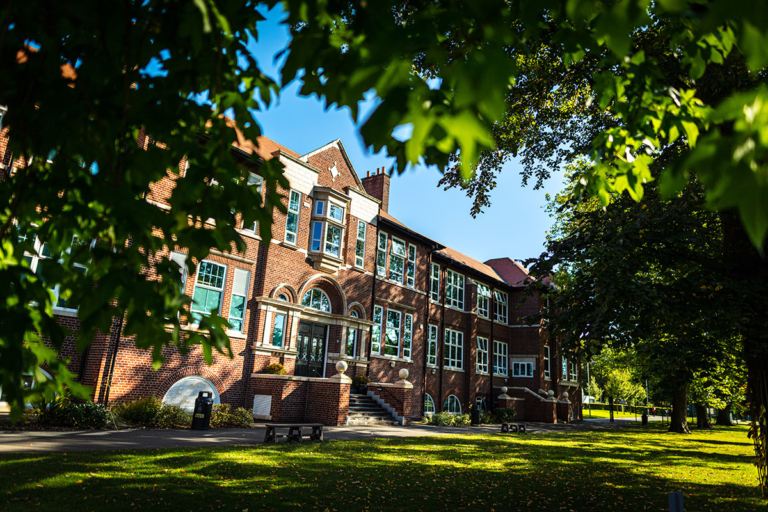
(485, 418)
(64, 413)
(171, 416)
(462, 420)
(360, 380)
(275, 369)
(139, 412)
(503, 415)
(223, 417)
(442, 419)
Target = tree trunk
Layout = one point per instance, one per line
(724, 416)
(678, 421)
(702, 417)
(749, 270)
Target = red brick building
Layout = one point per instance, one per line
(343, 280)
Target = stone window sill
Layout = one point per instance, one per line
(449, 369)
(391, 358)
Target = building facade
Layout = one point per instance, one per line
(342, 280)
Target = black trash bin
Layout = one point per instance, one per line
(475, 416)
(645, 418)
(201, 418)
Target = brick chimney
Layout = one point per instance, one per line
(377, 185)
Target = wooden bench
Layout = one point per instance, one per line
(506, 428)
(294, 432)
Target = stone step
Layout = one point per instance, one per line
(379, 413)
(371, 423)
(364, 409)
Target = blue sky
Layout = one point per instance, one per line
(513, 226)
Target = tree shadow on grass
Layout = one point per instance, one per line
(578, 471)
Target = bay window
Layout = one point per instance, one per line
(501, 309)
(397, 260)
(392, 336)
(238, 299)
(482, 355)
(411, 270)
(500, 358)
(378, 315)
(209, 289)
(292, 222)
(362, 227)
(454, 349)
(434, 282)
(483, 300)
(432, 346)
(407, 335)
(454, 291)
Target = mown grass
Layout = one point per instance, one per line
(618, 469)
(607, 414)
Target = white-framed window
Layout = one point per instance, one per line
(209, 289)
(43, 253)
(432, 346)
(574, 371)
(500, 358)
(316, 299)
(483, 300)
(352, 337)
(278, 333)
(336, 212)
(501, 307)
(547, 374)
(254, 180)
(317, 236)
(238, 298)
(381, 255)
(452, 405)
(522, 368)
(333, 240)
(454, 349)
(407, 335)
(392, 335)
(292, 222)
(397, 260)
(454, 291)
(180, 259)
(411, 269)
(434, 282)
(378, 317)
(429, 405)
(482, 355)
(319, 207)
(362, 227)
(564, 362)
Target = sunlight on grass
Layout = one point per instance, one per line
(579, 471)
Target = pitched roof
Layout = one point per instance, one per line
(264, 147)
(511, 271)
(385, 216)
(472, 263)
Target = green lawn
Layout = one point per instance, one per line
(622, 469)
(607, 414)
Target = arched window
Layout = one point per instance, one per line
(429, 405)
(352, 337)
(282, 297)
(317, 299)
(452, 405)
(184, 392)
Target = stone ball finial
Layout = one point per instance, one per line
(565, 394)
(504, 390)
(341, 367)
(551, 393)
(403, 374)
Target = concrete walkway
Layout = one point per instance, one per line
(137, 439)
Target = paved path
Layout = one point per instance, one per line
(135, 439)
